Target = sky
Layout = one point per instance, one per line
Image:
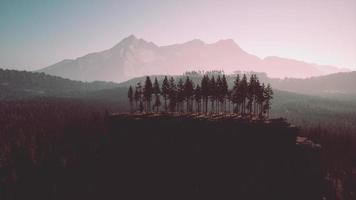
(38, 33)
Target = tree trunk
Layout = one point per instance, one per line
(165, 103)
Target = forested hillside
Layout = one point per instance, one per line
(299, 109)
(22, 84)
(339, 85)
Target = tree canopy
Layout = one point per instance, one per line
(246, 97)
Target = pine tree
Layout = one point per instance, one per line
(188, 93)
(218, 93)
(250, 93)
(138, 96)
(172, 94)
(224, 91)
(147, 93)
(256, 96)
(268, 95)
(156, 92)
(157, 102)
(229, 99)
(243, 91)
(198, 97)
(165, 91)
(180, 95)
(212, 93)
(260, 100)
(205, 92)
(131, 97)
(236, 94)
(156, 88)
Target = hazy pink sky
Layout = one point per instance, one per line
(34, 34)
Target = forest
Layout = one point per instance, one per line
(247, 97)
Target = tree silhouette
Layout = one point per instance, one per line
(183, 97)
(224, 91)
(257, 92)
(219, 96)
(268, 95)
(157, 102)
(131, 97)
(147, 93)
(138, 96)
(260, 100)
(165, 92)
(172, 94)
(156, 88)
(180, 95)
(236, 96)
(156, 92)
(198, 97)
(188, 93)
(205, 92)
(250, 93)
(212, 93)
(229, 99)
(243, 92)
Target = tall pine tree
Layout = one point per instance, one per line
(188, 93)
(268, 95)
(243, 92)
(198, 97)
(156, 92)
(224, 91)
(205, 92)
(147, 93)
(131, 97)
(180, 95)
(212, 93)
(165, 92)
(172, 94)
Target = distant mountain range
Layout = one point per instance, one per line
(134, 57)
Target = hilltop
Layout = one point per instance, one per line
(167, 156)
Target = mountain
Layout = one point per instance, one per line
(134, 57)
(333, 85)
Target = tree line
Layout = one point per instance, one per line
(212, 95)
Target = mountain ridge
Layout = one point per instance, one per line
(134, 57)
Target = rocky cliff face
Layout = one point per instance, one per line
(215, 157)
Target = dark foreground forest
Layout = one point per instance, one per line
(59, 142)
(67, 149)
(157, 157)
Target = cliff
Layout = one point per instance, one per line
(134, 156)
(213, 157)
